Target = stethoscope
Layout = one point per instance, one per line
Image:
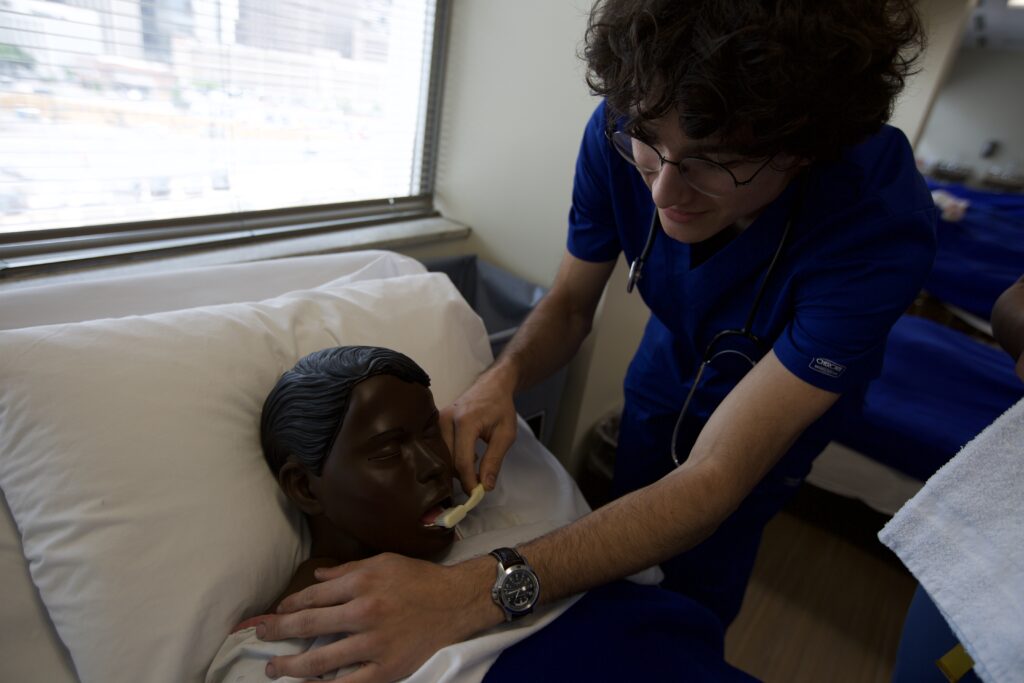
(636, 270)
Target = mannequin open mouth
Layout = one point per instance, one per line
(450, 517)
(436, 511)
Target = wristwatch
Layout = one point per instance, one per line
(516, 589)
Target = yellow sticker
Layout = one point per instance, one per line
(955, 663)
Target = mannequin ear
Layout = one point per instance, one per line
(294, 481)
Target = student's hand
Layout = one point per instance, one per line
(485, 411)
(396, 611)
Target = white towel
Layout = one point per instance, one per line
(962, 536)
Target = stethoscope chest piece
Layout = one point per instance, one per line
(636, 268)
(634, 274)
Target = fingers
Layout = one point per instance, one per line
(368, 672)
(333, 591)
(309, 623)
(464, 463)
(323, 659)
(399, 615)
(464, 453)
(485, 411)
(501, 440)
(328, 573)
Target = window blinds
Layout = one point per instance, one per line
(192, 116)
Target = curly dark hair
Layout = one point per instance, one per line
(803, 77)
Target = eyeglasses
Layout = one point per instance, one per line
(703, 175)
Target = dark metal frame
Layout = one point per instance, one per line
(679, 164)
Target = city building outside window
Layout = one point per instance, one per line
(139, 113)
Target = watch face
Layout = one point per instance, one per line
(519, 590)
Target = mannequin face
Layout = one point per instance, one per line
(387, 469)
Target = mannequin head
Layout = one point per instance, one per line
(352, 435)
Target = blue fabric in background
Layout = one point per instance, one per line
(1006, 203)
(938, 389)
(623, 632)
(981, 255)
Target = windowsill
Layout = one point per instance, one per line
(398, 235)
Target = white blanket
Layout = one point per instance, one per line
(962, 536)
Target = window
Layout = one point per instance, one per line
(145, 119)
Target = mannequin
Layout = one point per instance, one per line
(351, 434)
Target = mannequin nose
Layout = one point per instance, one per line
(430, 464)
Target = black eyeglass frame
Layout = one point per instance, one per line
(611, 135)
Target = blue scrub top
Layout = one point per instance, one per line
(860, 247)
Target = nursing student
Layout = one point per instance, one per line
(776, 228)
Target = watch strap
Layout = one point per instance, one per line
(508, 557)
(510, 562)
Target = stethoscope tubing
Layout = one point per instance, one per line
(636, 268)
(636, 271)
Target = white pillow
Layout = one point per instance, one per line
(29, 645)
(116, 297)
(130, 459)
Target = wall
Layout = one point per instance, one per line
(981, 100)
(945, 21)
(514, 109)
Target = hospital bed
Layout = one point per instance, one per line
(138, 522)
(939, 387)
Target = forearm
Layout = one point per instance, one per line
(752, 428)
(555, 329)
(548, 338)
(619, 539)
(629, 534)
(662, 520)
